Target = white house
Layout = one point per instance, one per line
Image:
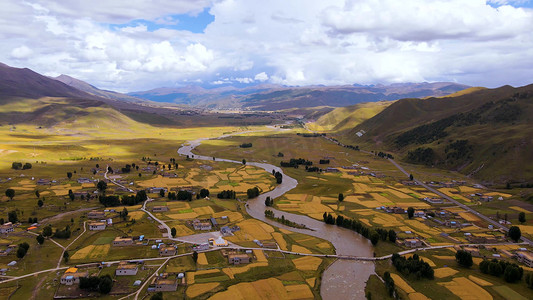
(124, 268)
(6, 228)
(97, 226)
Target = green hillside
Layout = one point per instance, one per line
(344, 118)
(487, 133)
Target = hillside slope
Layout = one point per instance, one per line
(487, 133)
(344, 118)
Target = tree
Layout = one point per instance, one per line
(195, 256)
(101, 185)
(37, 194)
(69, 175)
(124, 214)
(12, 216)
(243, 161)
(411, 177)
(410, 212)
(522, 217)
(173, 232)
(66, 256)
(374, 238)
(515, 233)
(341, 197)
(47, 231)
(40, 239)
(392, 235)
(157, 296)
(162, 192)
(464, 258)
(40, 203)
(106, 284)
(21, 252)
(204, 193)
(10, 193)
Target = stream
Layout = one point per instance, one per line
(343, 279)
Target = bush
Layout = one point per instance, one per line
(464, 258)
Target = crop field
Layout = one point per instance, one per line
(466, 289)
(198, 289)
(307, 263)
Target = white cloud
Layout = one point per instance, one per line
(295, 42)
(21, 52)
(261, 77)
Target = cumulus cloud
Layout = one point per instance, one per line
(21, 52)
(295, 43)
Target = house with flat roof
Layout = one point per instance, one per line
(160, 208)
(72, 276)
(201, 225)
(122, 241)
(97, 225)
(237, 259)
(94, 214)
(219, 242)
(163, 283)
(525, 257)
(167, 251)
(6, 228)
(412, 243)
(124, 269)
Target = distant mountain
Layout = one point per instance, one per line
(275, 97)
(485, 133)
(86, 87)
(25, 83)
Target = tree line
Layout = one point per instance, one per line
(412, 265)
(374, 235)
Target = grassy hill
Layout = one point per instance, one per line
(344, 118)
(486, 133)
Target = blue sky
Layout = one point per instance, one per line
(194, 23)
(138, 45)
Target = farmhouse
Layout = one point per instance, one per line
(219, 242)
(200, 225)
(72, 276)
(159, 208)
(97, 226)
(167, 251)
(84, 180)
(525, 257)
(9, 249)
(164, 284)
(94, 214)
(43, 182)
(6, 228)
(125, 268)
(156, 190)
(237, 259)
(123, 241)
(412, 243)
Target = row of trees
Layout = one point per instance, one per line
(20, 166)
(511, 272)
(226, 194)
(180, 195)
(295, 162)
(246, 145)
(374, 235)
(22, 250)
(130, 200)
(412, 265)
(253, 192)
(102, 284)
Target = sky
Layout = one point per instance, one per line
(138, 45)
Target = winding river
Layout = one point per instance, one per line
(344, 279)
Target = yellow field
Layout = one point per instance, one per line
(468, 190)
(232, 215)
(307, 263)
(526, 229)
(399, 282)
(196, 290)
(468, 216)
(479, 281)
(311, 281)
(137, 215)
(299, 291)
(280, 240)
(183, 216)
(270, 288)
(323, 245)
(204, 210)
(466, 289)
(417, 296)
(498, 194)
(300, 249)
(445, 272)
(202, 259)
(387, 220)
(99, 251)
(252, 229)
(83, 252)
(517, 208)
(241, 269)
(285, 231)
(260, 256)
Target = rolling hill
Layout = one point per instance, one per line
(344, 118)
(275, 97)
(486, 133)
